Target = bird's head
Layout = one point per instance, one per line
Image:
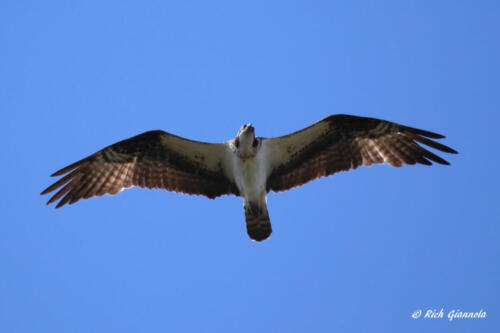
(246, 129)
(246, 142)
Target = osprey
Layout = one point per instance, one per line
(246, 166)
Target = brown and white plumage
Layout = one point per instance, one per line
(344, 142)
(153, 159)
(246, 166)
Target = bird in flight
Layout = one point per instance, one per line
(246, 166)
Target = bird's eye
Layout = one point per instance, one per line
(255, 143)
(237, 143)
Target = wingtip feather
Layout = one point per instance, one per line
(431, 143)
(419, 131)
(68, 168)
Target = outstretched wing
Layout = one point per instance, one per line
(344, 142)
(153, 159)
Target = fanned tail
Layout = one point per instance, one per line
(258, 222)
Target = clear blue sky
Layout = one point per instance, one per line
(356, 252)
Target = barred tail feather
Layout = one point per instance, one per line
(258, 223)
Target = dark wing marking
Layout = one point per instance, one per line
(153, 159)
(343, 142)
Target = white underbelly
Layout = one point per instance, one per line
(250, 177)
